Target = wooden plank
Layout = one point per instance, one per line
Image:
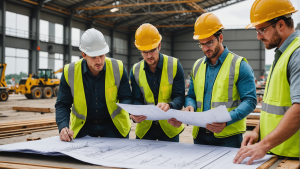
(34, 109)
(289, 164)
(50, 128)
(26, 131)
(257, 110)
(252, 122)
(19, 130)
(26, 122)
(32, 125)
(13, 165)
(268, 163)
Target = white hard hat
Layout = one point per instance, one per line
(93, 43)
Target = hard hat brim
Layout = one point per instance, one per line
(148, 47)
(251, 25)
(197, 37)
(96, 53)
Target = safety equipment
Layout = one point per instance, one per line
(224, 91)
(265, 10)
(206, 25)
(113, 75)
(276, 102)
(147, 37)
(165, 90)
(93, 43)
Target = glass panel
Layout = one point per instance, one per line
(59, 33)
(43, 63)
(44, 30)
(11, 23)
(75, 36)
(22, 26)
(75, 58)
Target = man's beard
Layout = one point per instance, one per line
(215, 52)
(274, 42)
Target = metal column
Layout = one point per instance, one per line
(3, 26)
(112, 35)
(34, 55)
(68, 39)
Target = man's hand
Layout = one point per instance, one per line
(138, 119)
(189, 108)
(216, 127)
(250, 139)
(66, 134)
(174, 122)
(256, 151)
(163, 106)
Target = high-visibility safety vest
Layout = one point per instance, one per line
(165, 90)
(277, 100)
(113, 75)
(224, 91)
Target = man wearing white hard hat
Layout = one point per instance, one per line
(88, 93)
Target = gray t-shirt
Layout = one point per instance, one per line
(293, 71)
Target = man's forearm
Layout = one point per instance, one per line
(287, 127)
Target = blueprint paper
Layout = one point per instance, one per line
(133, 153)
(217, 115)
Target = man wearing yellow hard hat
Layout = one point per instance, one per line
(277, 132)
(156, 80)
(219, 78)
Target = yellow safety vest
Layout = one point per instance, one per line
(113, 75)
(277, 100)
(224, 91)
(165, 90)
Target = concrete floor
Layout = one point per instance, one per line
(9, 115)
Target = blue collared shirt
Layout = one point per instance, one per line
(94, 89)
(293, 70)
(153, 80)
(245, 85)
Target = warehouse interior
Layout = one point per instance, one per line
(45, 35)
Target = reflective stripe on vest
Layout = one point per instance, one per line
(278, 110)
(71, 75)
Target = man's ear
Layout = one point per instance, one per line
(221, 38)
(83, 55)
(159, 46)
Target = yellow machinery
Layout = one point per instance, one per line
(4, 90)
(42, 85)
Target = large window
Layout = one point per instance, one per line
(17, 64)
(75, 58)
(17, 25)
(44, 30)
(59, 63)
(75, 36)
(120, 46)
(59, 33)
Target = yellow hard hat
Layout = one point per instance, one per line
(265, 10)
(147, 37)
(206, 25)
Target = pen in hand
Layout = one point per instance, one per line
(71, 140)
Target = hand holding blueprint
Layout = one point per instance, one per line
(217, 115)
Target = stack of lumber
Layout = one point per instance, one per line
(19, 128)
(284, 164)
(13, 165)
(252, 122)
(33, 109)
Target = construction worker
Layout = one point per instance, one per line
(277, 131)
(156, 80)
(91, 87)
(219, 78)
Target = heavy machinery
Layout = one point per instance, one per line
(4, 90)
(41, 85)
